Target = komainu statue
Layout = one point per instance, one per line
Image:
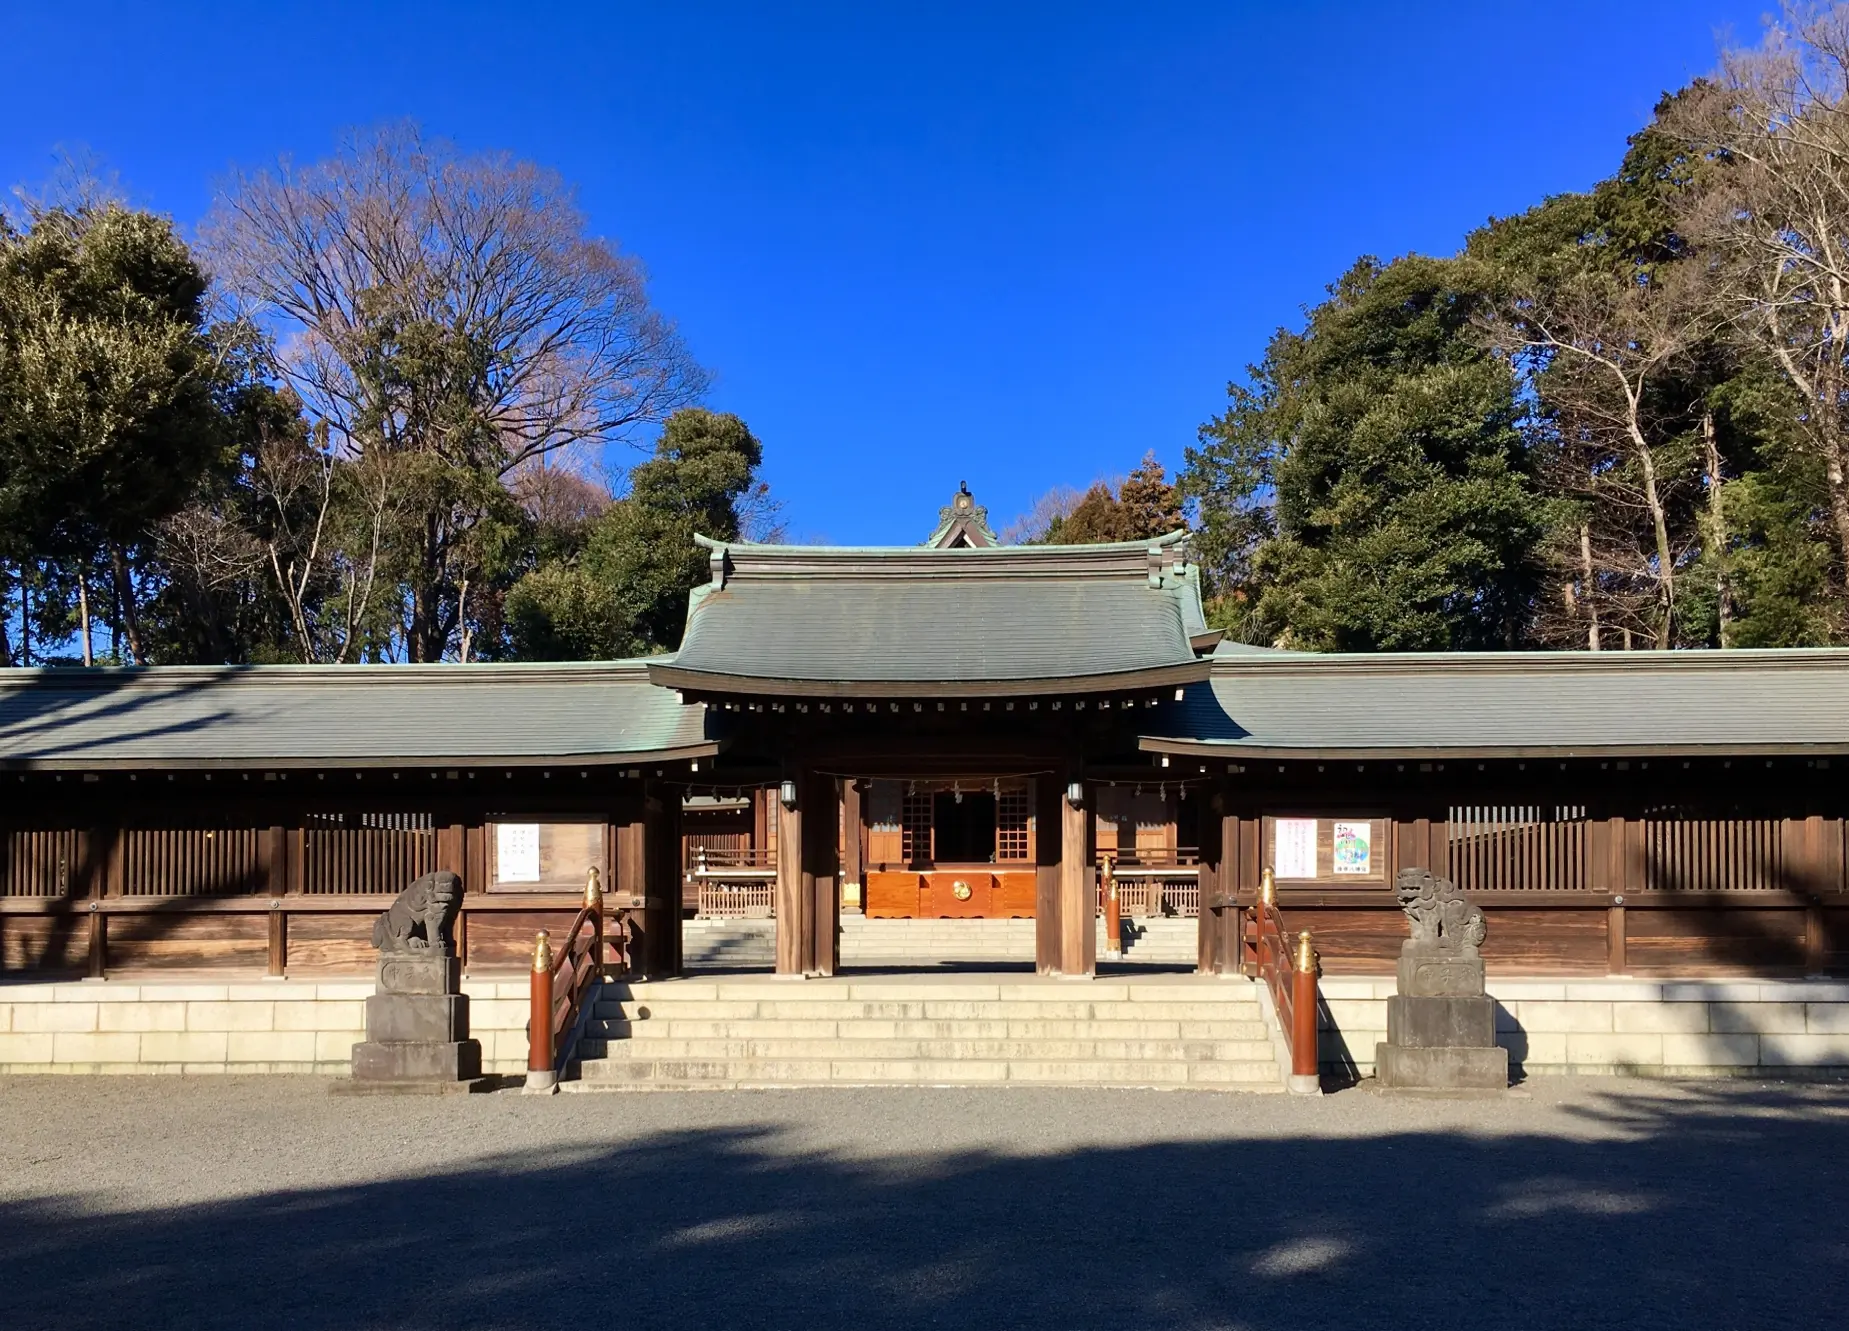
(419, 921)
(1438, 911)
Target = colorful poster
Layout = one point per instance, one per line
(516, 852)
(1293, 851)
(1354, 848)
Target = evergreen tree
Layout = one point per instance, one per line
(1385, 437)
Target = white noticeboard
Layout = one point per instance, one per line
(1293, 851)
(1354, 848)
(516, 852)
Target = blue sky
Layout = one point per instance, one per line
(1018, 245)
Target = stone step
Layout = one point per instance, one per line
(746, 1072)
(1129, 989)
(910, 1010)
(1007, 1050)
(1023, 1029)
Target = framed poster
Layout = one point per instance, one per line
(516, 852)
(1294, 848)
(1352, 848)
(1344, 852)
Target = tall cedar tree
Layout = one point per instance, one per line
(1384, 440)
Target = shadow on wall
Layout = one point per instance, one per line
(1719, 1208)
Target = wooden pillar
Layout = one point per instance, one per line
(1217, 939)
(1078, 895)
(279, 943)
(631, 880)
(853, 847)
(822, 871)
(661, 914)
(795, 898)
(1048, 802)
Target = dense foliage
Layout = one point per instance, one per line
(1615, 420)
(394, 444)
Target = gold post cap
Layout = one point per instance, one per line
(1268, 887)
(1306, 955)
(593, 890)
(542, 953)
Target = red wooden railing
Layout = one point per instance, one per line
(1289, 971)
(561, 984)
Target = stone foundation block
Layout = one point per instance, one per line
(1756, 1018)
(1399, 1068)
(1427, 1022)
(409, 1061)
(440, 1018)
(1660, 1018)
(1710, 1051)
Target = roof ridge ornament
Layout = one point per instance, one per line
(717, 563)
(962, 524)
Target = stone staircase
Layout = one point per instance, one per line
(751, 944)
(1160, 1031)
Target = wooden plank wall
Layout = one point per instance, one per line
(1588, 877)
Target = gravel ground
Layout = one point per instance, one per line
(260, 1202)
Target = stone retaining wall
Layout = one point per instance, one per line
(1735, 1028)
(1731, 1028)
(246, 1026)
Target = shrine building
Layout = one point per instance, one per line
(893, 738)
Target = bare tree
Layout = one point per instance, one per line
(451, 307)
(1033, 525)
(1777, 223)
(1601, 345)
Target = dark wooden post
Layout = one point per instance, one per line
(661, 818)
(1049, 800)
(795, 899)
(1078, 901)
(1219, 946)
(853, 847)
(98, 968)
(279, 943)
(632, 882)
(821, 872)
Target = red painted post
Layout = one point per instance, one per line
(541, 1076)
(1304, 1051)
(1113, 913)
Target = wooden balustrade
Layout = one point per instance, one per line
(560, 987)
(1289, 972)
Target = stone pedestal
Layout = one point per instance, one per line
(417, 1030)
(1441, 1026)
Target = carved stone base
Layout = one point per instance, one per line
(1438, 970)
(1441, 1023)
(438, 1018)
(417, 1060)
(1402, 1069)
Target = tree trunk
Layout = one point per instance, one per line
(462, 620)
(83, 615)
(1665, 562)
(1592, 600)
(125, 597)
(1717, 532)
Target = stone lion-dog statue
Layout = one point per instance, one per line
(419, 921)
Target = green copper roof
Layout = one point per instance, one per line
(381, 715)
(1540, 704)
(912, 620)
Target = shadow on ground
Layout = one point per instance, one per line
(1721, 1208)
